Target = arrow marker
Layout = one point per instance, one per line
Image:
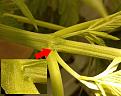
(45, 52)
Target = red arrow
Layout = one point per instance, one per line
(44, 52)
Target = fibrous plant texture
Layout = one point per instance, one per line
(106, 83)
(19, 75)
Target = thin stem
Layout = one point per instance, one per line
(101, 89)
(74, 28)
(70, 70)
(25, 10)
(97, 33)
(66, 67)
(38, 22)
(74, 33)
(86, 25)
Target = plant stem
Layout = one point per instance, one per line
(70, 70)
(66, 67)
(55, 75)
(25, 10)
(88, 49)
(38, 22)
(87, 25)
(38, 41)
(74, 28)
(24, 37)
(82, 79)
(100, 34)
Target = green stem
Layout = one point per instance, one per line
(66, 67)
(88, 49)
(70, 70)
(83, 79)
(38, 22)
(74, 33)
(71, 29)
(86, 25)
(34, 40)
(97, 33)
(55, 75)
(38, 41)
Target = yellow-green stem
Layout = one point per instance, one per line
(38, 41)
(55, 75)
(38, 22)
(88, 49)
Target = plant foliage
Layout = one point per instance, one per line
(106, 83)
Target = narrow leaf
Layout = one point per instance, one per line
(107, 24)
(112, 67)
(26, 11)
(112, 83)
(96, 39)
(105, 35)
